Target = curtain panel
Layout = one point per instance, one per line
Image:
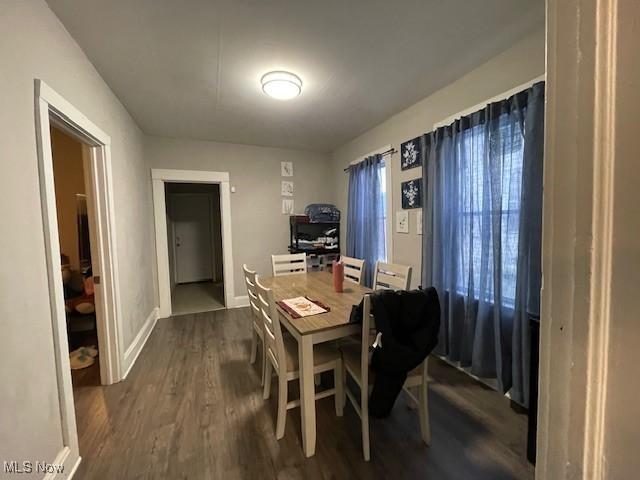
(482, 235)
(366, 214)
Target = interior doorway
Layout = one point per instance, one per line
(194, 236)
(52, 110)
(76, 221)
(165, 254)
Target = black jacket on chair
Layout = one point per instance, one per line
(409, 322)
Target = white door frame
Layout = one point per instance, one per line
(159, 178)
(51, 108)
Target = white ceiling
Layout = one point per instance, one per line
(191, 68)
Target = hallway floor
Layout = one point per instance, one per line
(197, 297)
(191, 408)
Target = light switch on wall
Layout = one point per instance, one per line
(233, 189)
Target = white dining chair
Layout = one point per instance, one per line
(282, 358)
(390, 276)
(356, 358)
(257, 328)
(353, 269)
(289, 264)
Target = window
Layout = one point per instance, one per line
(489, 198)
(367, 212)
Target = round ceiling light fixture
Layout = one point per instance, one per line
(281, 85)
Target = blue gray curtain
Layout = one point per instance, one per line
(482, 235)
(366, 213)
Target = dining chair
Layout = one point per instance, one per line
(353, 269)
(356, 357)
(289, 264)
(282, 358)
(257, 330)
(391, 276)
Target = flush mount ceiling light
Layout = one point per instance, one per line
(281, 85)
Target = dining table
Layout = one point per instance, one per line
(314, 329)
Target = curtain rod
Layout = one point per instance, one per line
(391, 151)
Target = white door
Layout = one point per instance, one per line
(191, 214)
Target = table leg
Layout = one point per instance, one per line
(307, 395)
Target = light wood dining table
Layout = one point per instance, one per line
(309, 331)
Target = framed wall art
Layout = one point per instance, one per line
(412, 193)
(411, 154)
(286, 188)
(286, 169)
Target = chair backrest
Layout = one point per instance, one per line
(250, 282)
(289, 264)
(274, 345)
(389, 276)
(353, 269)
(252, 292)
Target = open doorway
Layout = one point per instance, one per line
(194, 236)
(95, 215)
(161, 179)
(75, 219)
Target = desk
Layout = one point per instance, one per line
(315, 329)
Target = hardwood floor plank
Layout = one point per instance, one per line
(192, 408)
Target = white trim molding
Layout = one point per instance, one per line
(52, 109)
(67, 463)
(161, 176)
(138, 343)
(241, 301)
(580, 159)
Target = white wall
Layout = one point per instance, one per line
(33, 45)
(258, 226)
(517, 65)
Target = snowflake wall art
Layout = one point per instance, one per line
(411, 154)
(412, 193)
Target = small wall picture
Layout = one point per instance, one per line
(412, 193)
(411, 154)
(287, 206)
(419, 221)
(402, 221)
(287, 188)
(286, 169)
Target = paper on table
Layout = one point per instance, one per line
(302, 307)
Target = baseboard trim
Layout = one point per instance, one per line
(241, 301)
(68, 462)
(132, 353)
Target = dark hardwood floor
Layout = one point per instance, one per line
(192, 408)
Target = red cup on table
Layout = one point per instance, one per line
(338, 276)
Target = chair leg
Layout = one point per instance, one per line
(423, 410)
(282, 406)
(266, 392)
(364, 408)
(410, 403)
(343, 389)
(338, 384)
(254, 345)
(264, 363)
